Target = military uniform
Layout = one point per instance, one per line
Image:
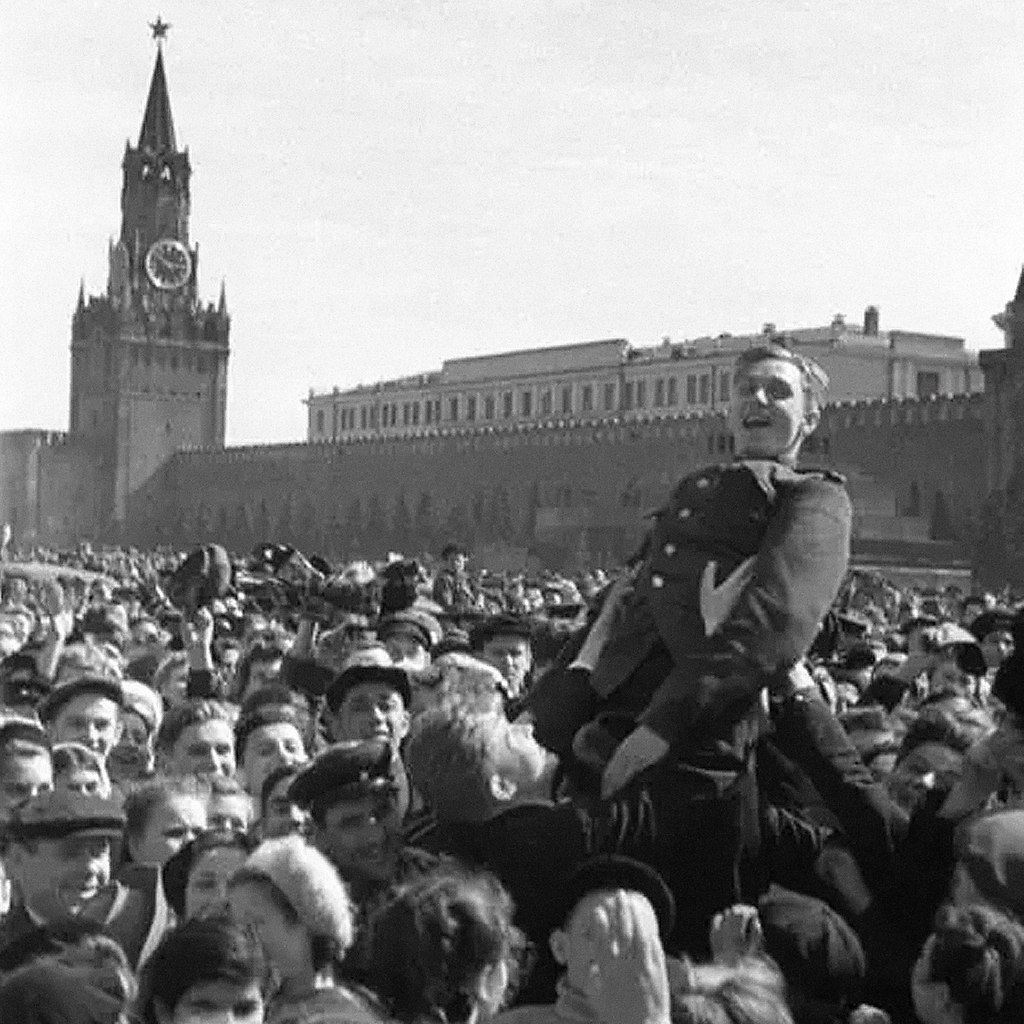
(735, 575)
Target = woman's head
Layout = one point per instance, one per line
(443, 946)
(207, 966)
(195, 879)
(292, 896)
(971, 968)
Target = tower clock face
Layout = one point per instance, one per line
(168, 263)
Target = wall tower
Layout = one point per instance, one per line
(148, 358)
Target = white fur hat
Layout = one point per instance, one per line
(309, 882)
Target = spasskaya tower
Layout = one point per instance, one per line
(148, 357)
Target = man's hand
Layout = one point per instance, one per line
(628, 978)
(197, 637)
(735, 934)
(639, 750)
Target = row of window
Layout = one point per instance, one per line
(664, 392)
(144, 356)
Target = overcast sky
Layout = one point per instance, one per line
(386, 183)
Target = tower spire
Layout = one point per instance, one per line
(157, 132)
(222, 305)
(81, 295)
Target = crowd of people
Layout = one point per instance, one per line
(730, 782)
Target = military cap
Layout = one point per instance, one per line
(613, 871)
(345, 771)
(412, 622)
(64, 692)
(59, 813)
(23, 729)
(356, 675)
(500, 625)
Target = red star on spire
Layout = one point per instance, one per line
(159, 28)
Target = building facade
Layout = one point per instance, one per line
(600, 379)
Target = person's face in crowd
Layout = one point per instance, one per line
(769, 414)
(407, 652)
(132, 756)
(996, 648)
(174, 688)
(457, 562)
(229, 812)
(946, 675)
(206, 748)
(85, 781)
(263, 673)
(371, 711)
(522, 761)
(577, 945)
(228, 654)
(206, 892)
(282, 817)
(24, 777)
(924, 768)
(285, 942)
(172, 823)
(89, 719)
(269, 747)
(58, 877)
(361, 837)
(512, 657)
(216, 1002)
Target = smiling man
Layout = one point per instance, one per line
(735, 575)
(60, 852)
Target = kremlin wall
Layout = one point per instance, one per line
(548, 457)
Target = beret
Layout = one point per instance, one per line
(345, 771)
(357, 675)
(414, 622)
(59, 813)
(64, 692)
(613, 871)
(500, 625)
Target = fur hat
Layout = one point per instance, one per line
(310, 884)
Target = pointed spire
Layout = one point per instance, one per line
(81, 296)
(1019, 296)
(157, 124)
(222, 305)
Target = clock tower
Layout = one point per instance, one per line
(148, 357)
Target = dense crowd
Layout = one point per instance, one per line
(270, 789)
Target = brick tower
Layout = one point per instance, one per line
(148, 358)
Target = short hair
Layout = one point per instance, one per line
(144, 797)
(194, 711)
(433, 938)
(76, 757)
(175, 873)
(451, 756)
(201, 950)
(815, 380)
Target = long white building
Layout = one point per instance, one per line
(601, 379)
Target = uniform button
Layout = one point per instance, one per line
(669, 549)
(703, 482)
(685, 513)
(657, 582)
